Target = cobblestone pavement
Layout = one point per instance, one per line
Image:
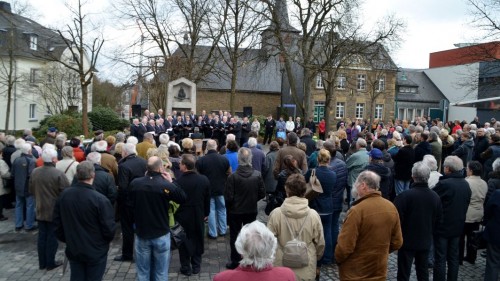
(19, 260)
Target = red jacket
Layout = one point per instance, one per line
(78, 154)
(322, 126)
(454, 130)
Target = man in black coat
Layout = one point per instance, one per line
(377, 166)
(269, 124)
(480, 145)
(310, 143)
(149, 197)
(403, 162)
(87, 228)
(455, 195)
(130, 167)
(104, 182)
(216, 168)
(244, 188)
(192, 214)
(420, 211)
(423, 147)
(245, 129)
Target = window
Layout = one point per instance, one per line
(3, 37)
(35, 75)
(410, 114)
(33, 42)
(32, 112)
(381, 84)
(379, 109)
(361, 85)
(412, 90)
(360, 108)
(319, 111)
(340, 112)
(319, 81)
(419, 112)
(341, 81)
(72, 90)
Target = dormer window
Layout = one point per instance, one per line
(33, 42)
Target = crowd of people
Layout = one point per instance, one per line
(423, 188)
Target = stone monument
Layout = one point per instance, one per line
(181, 95)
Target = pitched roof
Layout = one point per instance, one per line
(426, 92)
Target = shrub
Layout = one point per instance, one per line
(71, 124)
(103, 118)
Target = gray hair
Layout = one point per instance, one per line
(305, 132)
(48, 146)
(61, 140)
(164, 138)
(133, 140)
(435, 129)
(245, 157)
(420, 172)
(252, 142)
(496, 165)
(319, 144)
(120, 137)
(230, 137)
(257, 245)
(9, 140)
(101, 146)
(384, 132)
(433, 136)
(67, 152)
(361, 142)
(27, 132)
(211, 145)
(431, 162)
(292, 138)
(453, 163)
(94, 158)
(18, 143)
(148, 136)
(371, 179)
(85, 171)
(26, 149)
(129, 149)
(49, 154)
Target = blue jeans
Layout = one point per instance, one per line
(446, 251)
(401, 186)
(83, 271)
(326, 220)
(29, 202)
(152, 258)
(335, 230)
(47, 244)
(217, 216)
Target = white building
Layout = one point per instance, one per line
(39, 86)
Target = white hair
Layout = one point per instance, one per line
(252, 142)
(496, 165)
(384, 132)
(361, 142)
(25, 148)
(453, 163)
(257, 245)
(230, 137)
(164, 138)
(49, 154)
(421, 172)
(211, 145)
(133, 140)
(48, 146)
(129, 149)
(94, 158)
(101, 146)
(18, 143)
(430, 161)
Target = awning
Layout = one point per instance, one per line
(488, 103)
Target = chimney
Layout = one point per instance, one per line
(5, 6)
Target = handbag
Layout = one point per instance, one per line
(177, 236)
(314, 187)
(477, 240)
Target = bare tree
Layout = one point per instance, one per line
(107, 94)
(8, 72)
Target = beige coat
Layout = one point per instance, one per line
(4, 174)
(370, 232)
(479, 188)
(68, 167)
(296, 209)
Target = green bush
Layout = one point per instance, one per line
(103, 118)
(71, 124)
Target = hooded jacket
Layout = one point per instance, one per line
(295, 209)
(385, 177)
(244, 188)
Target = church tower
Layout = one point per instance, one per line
(281, 23)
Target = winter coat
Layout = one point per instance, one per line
(493, 184)
(4, 174)
(422, 149)
(108, 162)
(310, 144)
(323, 204)
(258, 159)
(403, 163)
(78, 154)
(478, 188)
(465, 151)
(455, 194)
(21, 172)
(356, 163)
(385, 177)
(489, 156)
(420, 211)
(244, 188)
(492, 218)
(340, 169)
(269, 180)
(192, 213)
(295, 209)
(103, 183)
(143, 147)
(129, 168)
(68, 167)
(480, 146)
(46, 184)
(216, 168)
(296, 153)
(370, 232)
(437, 152)
(232, 157)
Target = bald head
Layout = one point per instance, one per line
(154, 164)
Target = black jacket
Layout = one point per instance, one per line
(420, 211)
(385, 177)
(150, 196)
(403, 162)
(310, 144)
(192, 213)
(422, 149)
(455, 194)
(244, 188)
(215, 167)
(492, 218)
(104, 183)
(84, 220)
(129, 168)
(493, 184)
(480, 146)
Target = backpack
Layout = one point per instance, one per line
(295, 251)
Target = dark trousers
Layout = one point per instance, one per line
(236, 222)
(405, 260)
(88, 271)
(127, 225)
(47, 244)
(471, 251)
(492, 263)
(189, 262)
(445, 252)
(268, 136)
(3, 201)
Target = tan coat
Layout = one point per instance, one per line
(108, 162)
(479, 188)
(4, 174)
(142, 148)
(370, 232)
(297, 154)
(296, 209)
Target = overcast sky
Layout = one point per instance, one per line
(432, 25)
